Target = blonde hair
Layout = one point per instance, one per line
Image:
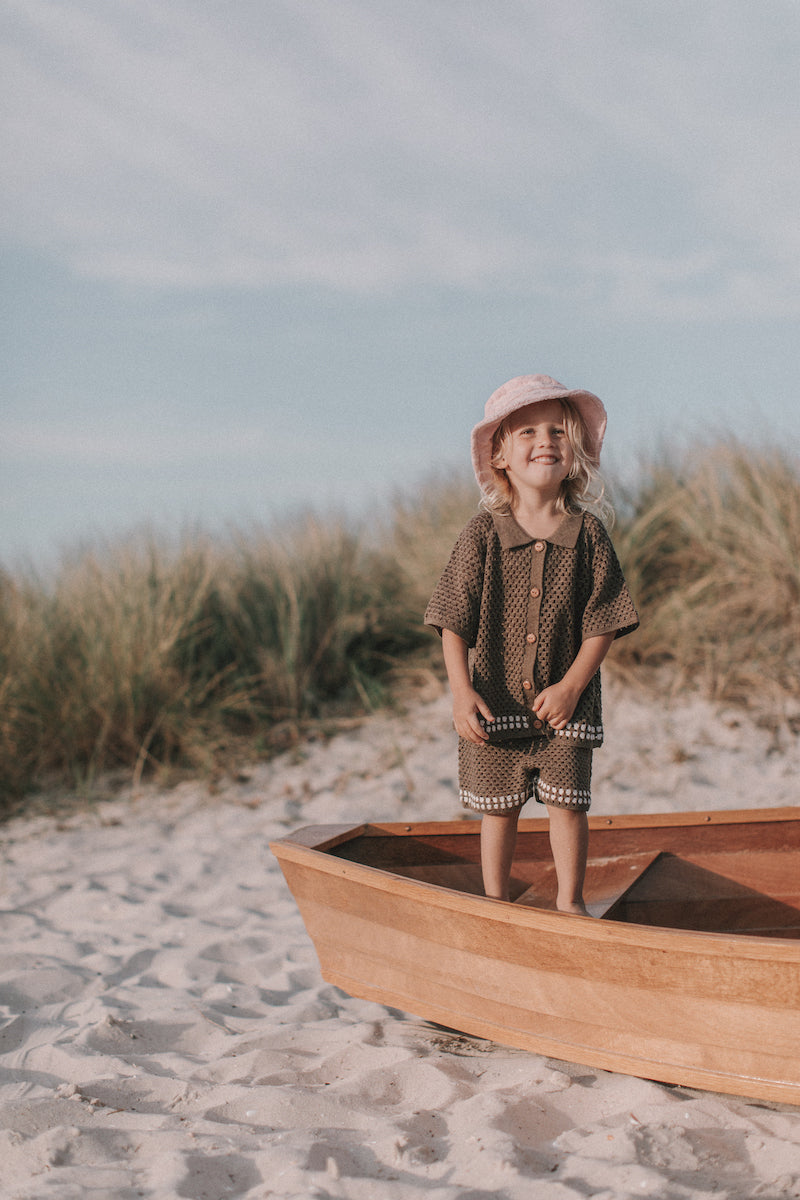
(583, 490)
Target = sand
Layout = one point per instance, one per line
(165, 1032)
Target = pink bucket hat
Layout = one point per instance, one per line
(520, 392)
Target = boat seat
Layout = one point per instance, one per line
(756, 893)
(607, 882)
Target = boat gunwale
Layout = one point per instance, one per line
(336, 834)
(748, 946)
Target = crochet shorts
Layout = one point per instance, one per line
(501, 776)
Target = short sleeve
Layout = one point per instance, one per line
(610, 608)
(456, 600)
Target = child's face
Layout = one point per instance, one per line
(537, 454)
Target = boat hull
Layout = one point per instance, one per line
(710, 1010)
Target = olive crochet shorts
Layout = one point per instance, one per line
(501, 776)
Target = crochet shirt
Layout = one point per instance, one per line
(524, 605)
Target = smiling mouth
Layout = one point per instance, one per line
(545, 458)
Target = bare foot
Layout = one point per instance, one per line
(574, 907)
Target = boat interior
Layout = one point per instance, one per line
(741, 878)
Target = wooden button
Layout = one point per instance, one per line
(535, 592)
(526, 683)
(538, 546)
(531, 638)
(538, 724)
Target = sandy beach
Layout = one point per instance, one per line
(165, 1031)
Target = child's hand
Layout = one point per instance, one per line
(467, 706)
(556, 704)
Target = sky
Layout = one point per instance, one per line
(263, 256)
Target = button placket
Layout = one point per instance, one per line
(532, 619)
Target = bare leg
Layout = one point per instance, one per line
(498, 838)
(569, 841)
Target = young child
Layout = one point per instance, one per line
(527, 608)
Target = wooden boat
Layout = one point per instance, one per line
(692, 976)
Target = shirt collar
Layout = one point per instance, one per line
(512, 535)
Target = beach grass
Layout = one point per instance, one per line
(144, 656)
(711, 549)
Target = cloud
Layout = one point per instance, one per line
(638, 152)
(137, 443)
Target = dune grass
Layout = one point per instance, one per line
(142, 656)
(711, 550)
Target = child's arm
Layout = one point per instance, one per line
(467, 704)
(556, 703)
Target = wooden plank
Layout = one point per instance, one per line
(723, 816)
(460, 876)
(770, 872)
(687, 838)
(606, 881)
(678, 893)
(743, 816)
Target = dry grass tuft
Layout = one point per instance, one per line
(711, 549)
(144, 657)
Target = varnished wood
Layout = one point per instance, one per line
(757, 893)
(693, 976)
(608, 880)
